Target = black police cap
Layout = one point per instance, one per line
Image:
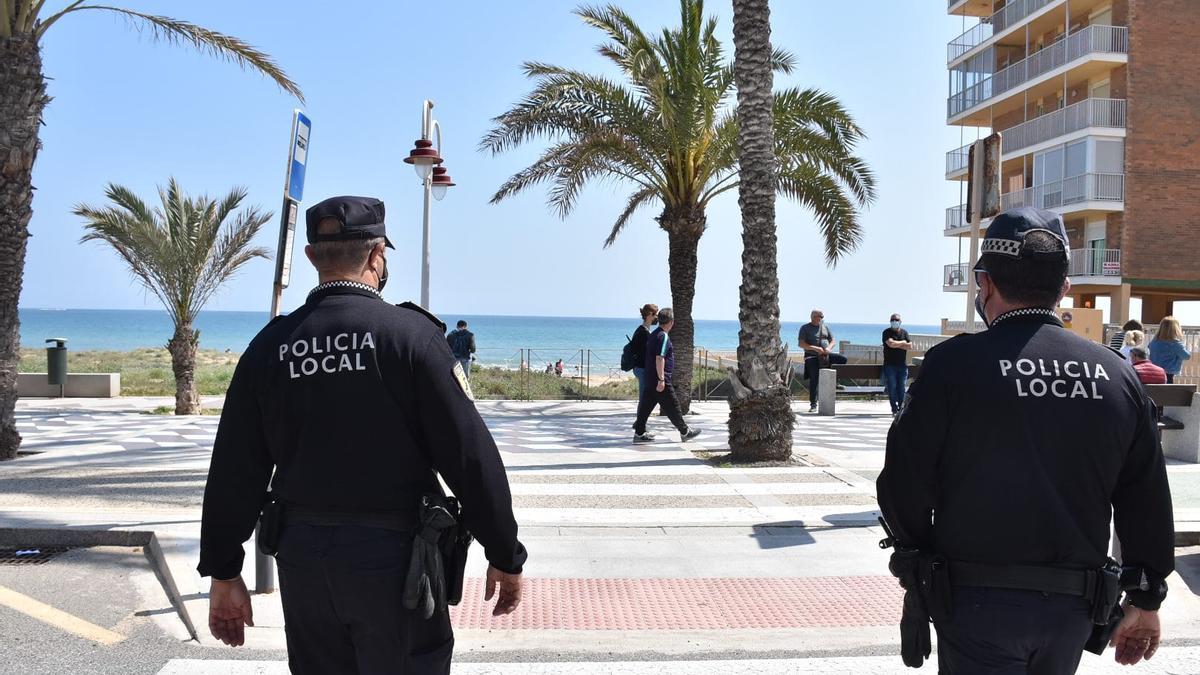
(360, 217)
(1006, 234)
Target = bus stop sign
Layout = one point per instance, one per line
(297, 157)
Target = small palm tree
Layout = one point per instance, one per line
(181, 252)
(760, 416)
(23, 23)
(666, 131)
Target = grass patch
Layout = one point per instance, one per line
(515, 385)
(144, 372)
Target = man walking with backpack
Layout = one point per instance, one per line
(462, 344)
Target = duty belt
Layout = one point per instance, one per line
(402, 521)
(1079, 583)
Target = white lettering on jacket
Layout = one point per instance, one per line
(330, 354)
(1043, 378)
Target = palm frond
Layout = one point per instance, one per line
(836, 215)
(636, 201)
(176, 31)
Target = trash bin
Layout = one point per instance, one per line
(56, 363)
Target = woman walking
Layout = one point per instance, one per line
(1167, 350)
(640, 335)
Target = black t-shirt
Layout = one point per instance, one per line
(893, 356)
(659, 344)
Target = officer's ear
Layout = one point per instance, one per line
(376, 257)
(1065, 289)
(311, 254)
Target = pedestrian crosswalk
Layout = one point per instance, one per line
(1169, 661)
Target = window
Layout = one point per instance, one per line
(1110, 156)
(1076, 159)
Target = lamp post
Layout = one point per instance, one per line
(426, 158)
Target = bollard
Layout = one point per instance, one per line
(56, 364)
(827, 392)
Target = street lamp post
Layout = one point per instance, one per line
(426, 159)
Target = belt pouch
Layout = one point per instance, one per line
(270, 523)
(939, 597)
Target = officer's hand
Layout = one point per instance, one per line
(660, 386)
(510, 590)
(229, 611)
(1137, 637)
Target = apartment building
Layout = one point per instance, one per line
(1099, 108)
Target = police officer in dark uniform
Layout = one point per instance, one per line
(353, 404)
(1012, 450)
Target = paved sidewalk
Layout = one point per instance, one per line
(635, 549)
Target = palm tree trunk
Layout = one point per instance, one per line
(761, 417)
(684, 227)
(183, 347)
(22, 99)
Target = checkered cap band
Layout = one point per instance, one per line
(1008, 247)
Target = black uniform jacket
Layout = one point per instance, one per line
(354, 403)
(1016, 445)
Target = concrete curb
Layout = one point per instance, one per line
(78, 538)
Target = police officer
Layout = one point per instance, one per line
(1011, 449)
(354, 404)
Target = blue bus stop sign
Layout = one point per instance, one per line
(297, 156)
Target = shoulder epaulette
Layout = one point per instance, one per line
(423, 312)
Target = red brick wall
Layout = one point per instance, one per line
(1162, 156)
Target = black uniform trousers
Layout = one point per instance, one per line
(665, 399)
(998, 631)
(341, 588)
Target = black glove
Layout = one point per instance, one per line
(915, 645)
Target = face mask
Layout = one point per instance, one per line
(383, 277)
(896, 325)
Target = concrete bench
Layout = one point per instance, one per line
(827, 387)
(1179, 425)
(79, 385)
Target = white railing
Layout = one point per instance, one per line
(1003, 19)
(956, 217)
(955, 275)
(1095, 263)
(1103, 187)
(957, 159)
(1093, 112)
(1090, 40)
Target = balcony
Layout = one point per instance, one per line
(1095, 263)
(957, 160)
(1003, 19)
(1089, 187)
(956, 217)
(1093, 112)
(1087, 42)
(954, 277)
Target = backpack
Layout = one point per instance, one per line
(629, 357)
(461, 345)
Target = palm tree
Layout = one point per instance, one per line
(181, 252)
(760, 417)
(666, 131)
(23, 23)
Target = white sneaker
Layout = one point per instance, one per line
(688, 435)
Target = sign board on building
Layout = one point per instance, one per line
(1112, 268)
(1083, 321)
(990, 177)
(293, 187)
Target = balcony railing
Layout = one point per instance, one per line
(955, 275)
(1093, 112)
(1095, 263)
(957, 160)
(1004, 18)
(1090, 40)
(956, 217)
(1088, 187)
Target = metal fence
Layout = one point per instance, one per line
(1103, 187)
(1095, 263)
(1093, 112)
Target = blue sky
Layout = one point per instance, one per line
(132, 111)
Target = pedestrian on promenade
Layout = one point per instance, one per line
(1167, 350)
(817, 342)
(1118, 337)
(660, 362)
(896, 345)
(1133, 338)
(462, 345)
(1014, 449)
(353, 404)
(1147, 372)
(637, 345)
(558, 368)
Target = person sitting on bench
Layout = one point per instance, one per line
(1147, 372)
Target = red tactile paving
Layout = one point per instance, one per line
(689, 604)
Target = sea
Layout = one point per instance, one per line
(501, 340)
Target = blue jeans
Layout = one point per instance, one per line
(895, 381)
(466, 364)
(640, 374)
